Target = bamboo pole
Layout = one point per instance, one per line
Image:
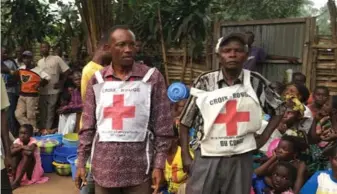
(184, 61)
(163, 46)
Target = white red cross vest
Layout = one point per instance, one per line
(123, 110)
(231, 116)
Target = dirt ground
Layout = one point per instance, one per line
(56, 185)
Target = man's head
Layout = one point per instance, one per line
(250, 38)
(4, 54)
(44, 48)
(299, 78)
(321, 95)
(18, 52)
(121, 43)
(27, 58)
(233, 51)
(138, 46)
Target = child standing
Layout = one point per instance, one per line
(320, 97)
(27, 168)
(31, 78)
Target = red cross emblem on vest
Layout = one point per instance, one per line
(231, 118)
(118, 111)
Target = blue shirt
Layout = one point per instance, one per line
(322, 182)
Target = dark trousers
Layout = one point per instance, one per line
(13, 124)
(5, 184)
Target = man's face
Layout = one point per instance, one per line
(232, 55)
(18, 52)
(44, 49)
(4, 54)
(27, 60)
(250, 38)
(299, 79)
(123, 47)
(320, 97)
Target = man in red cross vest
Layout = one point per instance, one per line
(226, 108)
(126, 117)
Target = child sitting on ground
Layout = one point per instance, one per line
(287, 151)
(27, 168)
(282, 180)
(325, 181)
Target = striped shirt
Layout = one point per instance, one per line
(269, 100)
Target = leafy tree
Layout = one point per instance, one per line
(24, 22)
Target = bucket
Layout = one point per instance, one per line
(61, 153)
(70, 139)
(177, 91)
(71, 159)
(47, 162)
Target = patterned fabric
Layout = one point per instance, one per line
(75, 102)
(317, 160)
(294, 104)
(124, 164)
(269, 100)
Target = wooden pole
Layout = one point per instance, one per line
(184, 61)
(333, 20)
(163, 48)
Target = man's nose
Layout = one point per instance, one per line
(232, 53)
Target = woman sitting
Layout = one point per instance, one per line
(27, 168)
(71, 107)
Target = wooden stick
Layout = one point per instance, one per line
(184, 61)
(163, 49)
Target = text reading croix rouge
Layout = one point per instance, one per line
(118, 111)
(231, 118)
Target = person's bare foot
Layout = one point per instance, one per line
(15, 185)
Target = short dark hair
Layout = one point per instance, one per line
(46, 43)
(292, 170)
(299, 74)
(250, 32)
(29, 128)
(326, 89)
(303, 90)
(106, 37)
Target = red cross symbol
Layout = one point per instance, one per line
(231, 118)
(118, 112)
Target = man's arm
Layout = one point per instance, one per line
(88, 131)
(161, 120)
(4, 127)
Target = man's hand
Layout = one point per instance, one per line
(80, 178)
(58, 85)
(157, 177)
(60, 111)
(187, 161)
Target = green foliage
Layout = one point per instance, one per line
(23, 22)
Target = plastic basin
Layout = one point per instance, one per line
(177, 91)
(70, 139)
(62, 169)
(57, 137)
(61, 153)
(47, 146)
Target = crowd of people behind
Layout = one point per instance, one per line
(45, 98)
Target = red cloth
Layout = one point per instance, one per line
(124, 164)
